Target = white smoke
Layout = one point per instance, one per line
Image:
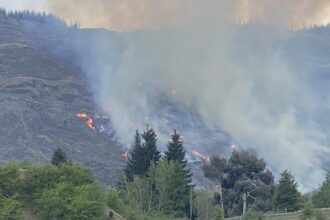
(235, 78)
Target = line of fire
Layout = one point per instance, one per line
(101, 123)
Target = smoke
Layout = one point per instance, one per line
(123, 15)
(239, 79)
(194, 68)
(197, 69)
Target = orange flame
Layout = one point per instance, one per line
(81, 115)
(125, 155)
(89, 123)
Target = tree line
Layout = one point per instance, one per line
(152, 182)
(154, 186)
(38, 17)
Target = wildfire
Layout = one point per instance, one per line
(95, 123)
(125, 155)
(81, 115)
(198, 154)
(89, 123)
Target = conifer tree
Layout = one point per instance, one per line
(135, 164)
(59, 157)
(176, 152)
(322, 198)
(142, 154)
(152, 154)
(286, 195)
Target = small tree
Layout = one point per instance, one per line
(252, 215)
(286, 196)
(59, 157)
(173, 192)
(322, 198)
(10, 208)
(218, 213)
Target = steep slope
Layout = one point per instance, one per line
(39, 99)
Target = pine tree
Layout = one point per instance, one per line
(177, 152)
(152, 154)
(142, 154)
(135, 164)
(59, 157)
(286, 195)
(322, 198)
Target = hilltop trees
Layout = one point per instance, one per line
(286, 196)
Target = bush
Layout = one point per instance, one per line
(218, 213)
(113, 200)
(10, 209)
(309, 213)
(252, 215)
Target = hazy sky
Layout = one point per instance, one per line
(122, 15)
(39, 5)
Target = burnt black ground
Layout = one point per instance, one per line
(39, 97)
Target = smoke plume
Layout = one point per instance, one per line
(197, 67)
(124, 15)
(235, 78)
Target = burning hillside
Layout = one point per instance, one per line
(39, 97)
(99, 123)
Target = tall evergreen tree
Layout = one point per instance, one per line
(141, 155)
(176, 152)
(59, 157)
(152, 154)
(286, 195)
(135, 164)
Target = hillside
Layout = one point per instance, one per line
(39, 101)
